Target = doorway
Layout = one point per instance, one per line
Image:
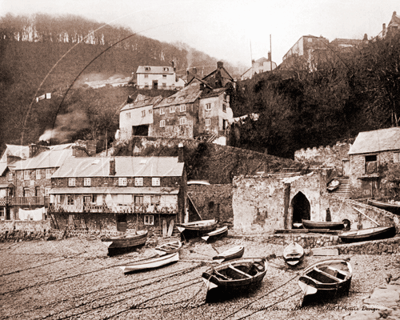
(301, 208)
(121, 222)
(155, 84)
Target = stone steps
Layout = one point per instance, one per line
(344, 189)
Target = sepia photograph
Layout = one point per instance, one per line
(199, 159)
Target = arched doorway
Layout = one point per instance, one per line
(301, 208)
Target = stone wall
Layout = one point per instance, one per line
(213, 201)
(328, 156)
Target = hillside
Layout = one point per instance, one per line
(59, 55)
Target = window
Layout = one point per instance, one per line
(164, 85)
(166, 69)
(38, 176)
(10, 176)
(182, 121)
(146, 85)
(143, 113)
(208, 122)
(37, 191)
(396, 157)
(162, 123)
(138, 199)
(46, 191)
(48, 173)
(122, 182)
(87, 200)
(147, 68)
(149, 220)
(370, 164)
(309, 39)
(128, 115)
(71, 182)
(70, 200)
(183, 107)
(138, 182)
(224, 107)
(172, 109)
(162, 111)
(25, 192)
(87, 182)
(155, 199)
(164, 75)
(146, 75)
(26, 174)
(155, 182)
(208, 106)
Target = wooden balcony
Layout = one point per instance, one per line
(6, 201)
(94, 208)
(30, 201)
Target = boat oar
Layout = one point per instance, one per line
(181, 229)
(358, 210)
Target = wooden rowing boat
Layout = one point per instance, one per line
(332, 225)
(168, 248)
(326, 279)
(151, 263)
(232, 253)
(201, 226)
(293, 254)
(333, 185)
(216, 233)
(125, 241)
(368, 234)
(235, 276)
(391, 207)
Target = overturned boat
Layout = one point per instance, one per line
(215, 234)
(125, 242)
(201, 226)
(326, 279)
(151, 263)
(368, 234)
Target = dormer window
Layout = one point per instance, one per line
(166, 69)
(147, 68)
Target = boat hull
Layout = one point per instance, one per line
(151, 263)
(308, 224)
(170, 247)
(325, 279)
(215, 234)
(293, 254)
(232, 253)
(125, 243)
(368, 234)
(234, 277)
(200, 226)
(393, 208)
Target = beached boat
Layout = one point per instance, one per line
(368, 234)
(235, 276)
(216, 233)
(235, 252)
(326, 279)
(391, 207)
(201, 226)
(168, 248)
(125, 241)
(332, 225)
(151, 263)
(293, 254)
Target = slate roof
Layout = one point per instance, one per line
(376, 141)
(15, 150)
(46, 159)
(142, 101)
(155, 70)
(213, 93)
(188, 94)
(395, 21)
(124, 167)
(3, 167)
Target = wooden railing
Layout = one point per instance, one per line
(6, 201)
(94, 208)
(33, 201)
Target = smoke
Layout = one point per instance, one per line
(66, 126)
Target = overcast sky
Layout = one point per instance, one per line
(224, 29)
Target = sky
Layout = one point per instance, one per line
(236, 31)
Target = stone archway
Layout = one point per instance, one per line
(300, 208)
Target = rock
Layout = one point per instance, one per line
(386, 298)
(363, 315)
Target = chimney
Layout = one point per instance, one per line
(180, 152)
(220, 64)
(394, 13)
(32, 150)
(194, 70)
(112, 166)
(173, 65)
(269, 56)
(365, 37)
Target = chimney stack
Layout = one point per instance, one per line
(112, 166)
(32, 150)
(180, 152)
(220, 64)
